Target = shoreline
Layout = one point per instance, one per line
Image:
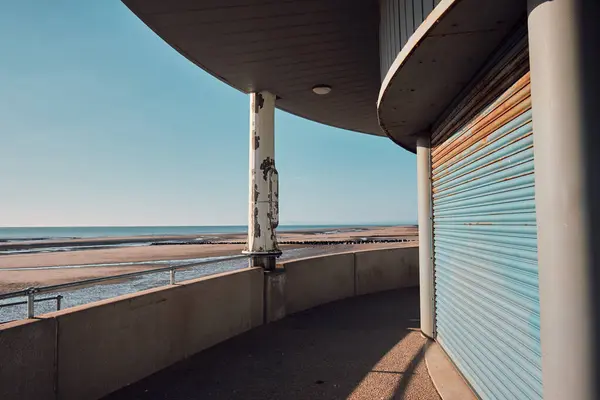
(19, 278)
(4, 240)
(27, 246)
(16, 270)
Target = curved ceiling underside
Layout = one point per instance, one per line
(439, 61)
(285, 47)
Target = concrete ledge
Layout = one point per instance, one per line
(27, 359)
(446, 379)
(386, 269)
(107, 345)
(89, 351)
(318, 280)
(313, 281)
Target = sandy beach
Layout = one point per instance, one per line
(16, 270)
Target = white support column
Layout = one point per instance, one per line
(425, 220)
(564, 40)
(264, 197)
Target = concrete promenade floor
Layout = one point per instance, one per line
(366, 347)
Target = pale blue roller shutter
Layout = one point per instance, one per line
(485, 249)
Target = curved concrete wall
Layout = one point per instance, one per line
(387, 269)
(318, 280)
(89, 351)
(305, 283)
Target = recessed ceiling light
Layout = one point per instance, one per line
(321, 89)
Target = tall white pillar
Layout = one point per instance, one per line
(563, 47)
(263, 210)
(425, 220)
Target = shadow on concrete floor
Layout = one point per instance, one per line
(366, 347)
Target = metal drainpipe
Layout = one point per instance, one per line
(564, 38)
(264, 186)
(425, 220)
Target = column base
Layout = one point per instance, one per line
(268, 261)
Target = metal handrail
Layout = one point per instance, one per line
(32, 291)
(57, 298)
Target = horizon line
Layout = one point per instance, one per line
(221, 225)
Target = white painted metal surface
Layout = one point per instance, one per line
(264, 197)
(426, 288)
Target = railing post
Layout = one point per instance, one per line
(172, 276)
(30, 302)
(58, 302)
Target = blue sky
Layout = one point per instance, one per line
(102, 123)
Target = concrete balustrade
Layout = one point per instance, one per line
(89, 351)
(387, 269)
(308, 282)
(318, 280)
(28, 359)
(110, 344)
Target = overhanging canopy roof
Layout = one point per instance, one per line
(439, 60)
(285, 47)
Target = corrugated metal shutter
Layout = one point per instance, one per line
(485, 249)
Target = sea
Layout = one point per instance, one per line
(13, 308)
(75, 296)
(64, 232)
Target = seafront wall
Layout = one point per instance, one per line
(308, 282)
(89, 351)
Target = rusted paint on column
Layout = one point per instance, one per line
(263, 202)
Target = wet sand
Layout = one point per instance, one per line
(14, 274)
(318, 235)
